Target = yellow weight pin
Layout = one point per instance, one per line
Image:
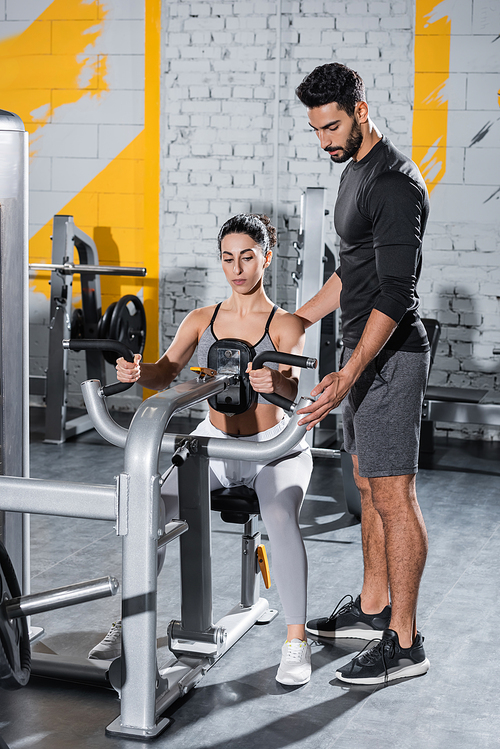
(264, 565)
(204, 371)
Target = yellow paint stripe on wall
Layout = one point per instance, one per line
(430, 109)
(110, 209)
(50, 63)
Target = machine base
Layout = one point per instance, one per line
(116, 729)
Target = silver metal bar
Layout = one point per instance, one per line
(173, 530)
(177, 397)
(139, 577)
(61, 296)
(102, 270)
(312, 243)
(14, 349)
(46, 497)
(97, 409)
(184, 395)
(323, 452)
(26, 544)
(59, 598)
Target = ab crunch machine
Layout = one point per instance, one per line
(195, 642)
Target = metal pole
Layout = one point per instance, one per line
(101, 270)
(276, 139)
(139, 497)
(14, 419)
(59, 598)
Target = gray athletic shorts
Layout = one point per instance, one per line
(381, 414)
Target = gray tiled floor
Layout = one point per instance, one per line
(239, 704)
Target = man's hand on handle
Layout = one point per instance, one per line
(331, 391)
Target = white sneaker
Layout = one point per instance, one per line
(295, 666)
(111, 646)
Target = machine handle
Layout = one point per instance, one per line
(281, 357)
(87, 344)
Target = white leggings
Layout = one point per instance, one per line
(280, 487)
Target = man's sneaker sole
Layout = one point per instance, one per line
(416, 669)
(358, 634)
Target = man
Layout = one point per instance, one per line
(380, 216)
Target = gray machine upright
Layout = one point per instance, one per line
(315, 264)
(14, 352)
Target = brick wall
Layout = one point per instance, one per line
(461, 278)
(218, 99)
(75, 72)
(219, 86)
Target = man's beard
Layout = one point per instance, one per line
(352, 146)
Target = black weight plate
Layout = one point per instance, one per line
(104, 322)
(77, 324)
(103, 331)
(15, 652)
(128, 323)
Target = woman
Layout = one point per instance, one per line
(245, 249)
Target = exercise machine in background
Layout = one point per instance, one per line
(124, 320)
(315, 264)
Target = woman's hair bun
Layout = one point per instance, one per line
(256, 225)
(271, 231)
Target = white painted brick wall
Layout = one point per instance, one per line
(218, 119)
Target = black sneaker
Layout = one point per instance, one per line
(348, 620)
(386, 661)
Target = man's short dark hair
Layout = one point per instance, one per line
(329, 83)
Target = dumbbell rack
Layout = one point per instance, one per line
(54, 385)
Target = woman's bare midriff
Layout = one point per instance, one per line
(258, 418)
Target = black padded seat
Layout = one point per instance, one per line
(236, 504)
(440, 393)
(454, 395)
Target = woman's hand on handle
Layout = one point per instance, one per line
(128, 371)
(262, 380)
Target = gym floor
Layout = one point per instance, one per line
(239, 704)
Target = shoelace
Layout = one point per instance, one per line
(342, 609)
(381, 649)
(114, 632)
(294, 652)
